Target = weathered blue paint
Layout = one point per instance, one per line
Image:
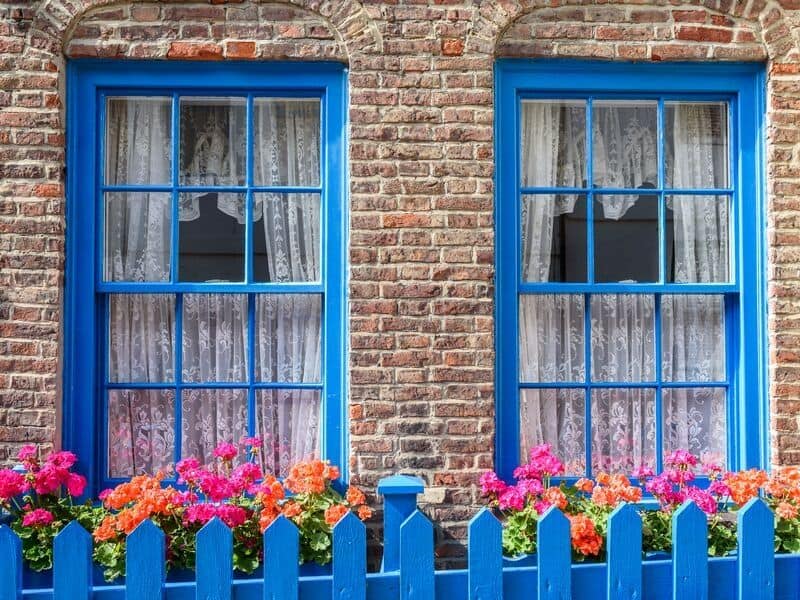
(281, 546)
(554, 556)
(485, 558)
(214, 561)
(756, 574)
(417, 580)
(399, 502)
(72, 563)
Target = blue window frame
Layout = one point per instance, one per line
(87, 385)
(739, 90)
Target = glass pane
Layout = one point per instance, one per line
(211, 237)
(141, 338)
(288, 422)
(697, 144)
(623, 337)
(694, 420)
(141, 431)
(138, 140)
(138, 229)
(214, 337)
(693, 338)
(625, 144)
(211, 417)
(556, 417)
(553, 141)
(289, 328)
(287, 144)
(554, 238)
(623, 429)
(551, 344)
(700, 251)
(626, 239)
(213, 141)
(286, 237)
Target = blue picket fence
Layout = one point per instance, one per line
(408, 573)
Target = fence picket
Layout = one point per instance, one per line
(72, 563)
(281, 553)
(416, 558)
(689, 553)
(10, 564)
(553, 555)
(485, 558)
(349, 559)
(624, 554)
(214, 561)
(144, 562)
(756, 551)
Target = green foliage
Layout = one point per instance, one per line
(519, 532)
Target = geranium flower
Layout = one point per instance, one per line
(334, 513)
(28, 455)
(511, 498)
(38, 517)
(226, 451)
(491, 483)
(786, 510)
(12, 484)
(75, 484)
(584, 536)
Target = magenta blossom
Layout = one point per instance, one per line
(199, 513)
(643, 472)
(680, 459)
(491, 484)
(244, 477)
(215, 487)
(719, 488)
(544, 461)
(510, 498)
(226, 451)
(62, 460)
(75, 484)
(704, 500)
(659, 486)
(28, 455)
(11, 484)
(530, 487)
(232, 515)
(189, 471)
(37, 518)
(48, 479)
(252, 442)
(680, 476)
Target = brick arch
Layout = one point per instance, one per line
(55, 19)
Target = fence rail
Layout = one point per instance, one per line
(755, 573)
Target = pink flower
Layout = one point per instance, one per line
(719, 488)
(544, 461)
(643, 472)
(199, 513)
(215, 487)
(188, 471)
(226, 451)
(659, 485)
(232, 515)
(62, 460)
(37, 518)
(27, 455)
(680, 476)
(252, 442)
(704, 500)
(181, 498)
(530, 487)
(104, 494)
(244, 477)
(48, 479)
(680, 459)
(510, 498)
(491, 484)
(11, 484)
(75, 484)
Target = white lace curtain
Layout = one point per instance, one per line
(622, 326)
(215, 336)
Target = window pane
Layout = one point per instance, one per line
(625, 144)
(623, 429)
(622, 337)
(211, 417)
(213, 141)
(554, 238)
(214, 337)
(211, 237)
(288, 422)
(700, 227)
(138, 140)
(693, 338)
(286, 237)
(697, 144)
(141, 338)
(141, 431)
(287, 144)
(289, 328)
(553, 141)
(694, 420)
(626, 239)
(556, 417)
(551, 344)
(138, 229)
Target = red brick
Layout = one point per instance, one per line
(194, 51)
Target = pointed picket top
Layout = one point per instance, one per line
(554, 556)
(10, 564)
(689, 553)
(485, 557)
(214, 568)
(349, 559)
(755, 534)
(144, 562)
(624, 554)
(416, 558)
(281, 552)
(72, 563)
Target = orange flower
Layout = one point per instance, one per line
(355, 496)
(308, 477)
(785, 510)
(604, 496)
(584, 536)
(334, 513)
(553, 495)
(107, 530)
(292, 509)
(584, 485)
(744, 485)
(364, 512)
(267, 516)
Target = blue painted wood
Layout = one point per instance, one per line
(144, 562)
(281, 553)
(72, 563)
(624, 580)
(214, 561)
(689, 553)
(416, 558)
(554, 556)
(399, 502)
(756, 575)
(10, 564)
(485, 558)
(349, 559)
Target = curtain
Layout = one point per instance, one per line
(622, 326)
(215, 331)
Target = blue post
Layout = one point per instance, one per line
(144, 563)
(214, 564)
(281, 552)
(349, 559)
(689, 553)
(399, 502)
(756, 571)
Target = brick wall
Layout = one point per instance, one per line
(421, 195)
